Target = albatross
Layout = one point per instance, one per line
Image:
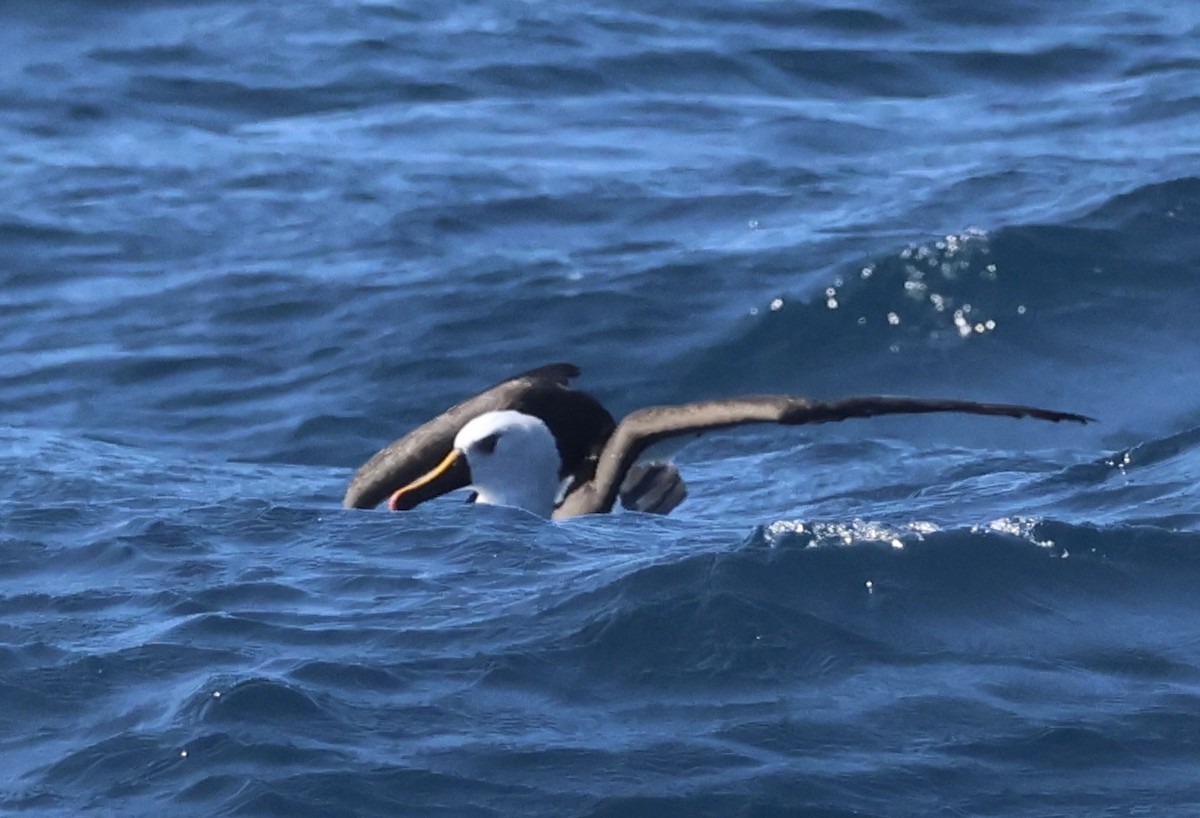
(536, 443)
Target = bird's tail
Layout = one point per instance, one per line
(653, 488)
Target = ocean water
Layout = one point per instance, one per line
(245, 244)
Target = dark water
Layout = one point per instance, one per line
(245, 244)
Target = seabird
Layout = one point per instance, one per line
(535, 443)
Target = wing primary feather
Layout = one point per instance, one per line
(801, 410)
(645, 427)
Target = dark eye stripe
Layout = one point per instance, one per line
(488, 444)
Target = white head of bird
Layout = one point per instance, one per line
(513, 459)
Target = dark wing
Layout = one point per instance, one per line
(579, 423)
(646, 427)
(653, 488)
(544, 389)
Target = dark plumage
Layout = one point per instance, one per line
(579, 423)
(598, 455)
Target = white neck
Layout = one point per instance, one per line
(535, 500)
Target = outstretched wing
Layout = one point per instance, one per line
(646, 427)
(416, 453)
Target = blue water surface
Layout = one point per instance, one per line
(245, 244)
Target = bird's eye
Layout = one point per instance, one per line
(487, 445)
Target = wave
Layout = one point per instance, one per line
(244, 655)
(1057, 314)
(812, 600)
